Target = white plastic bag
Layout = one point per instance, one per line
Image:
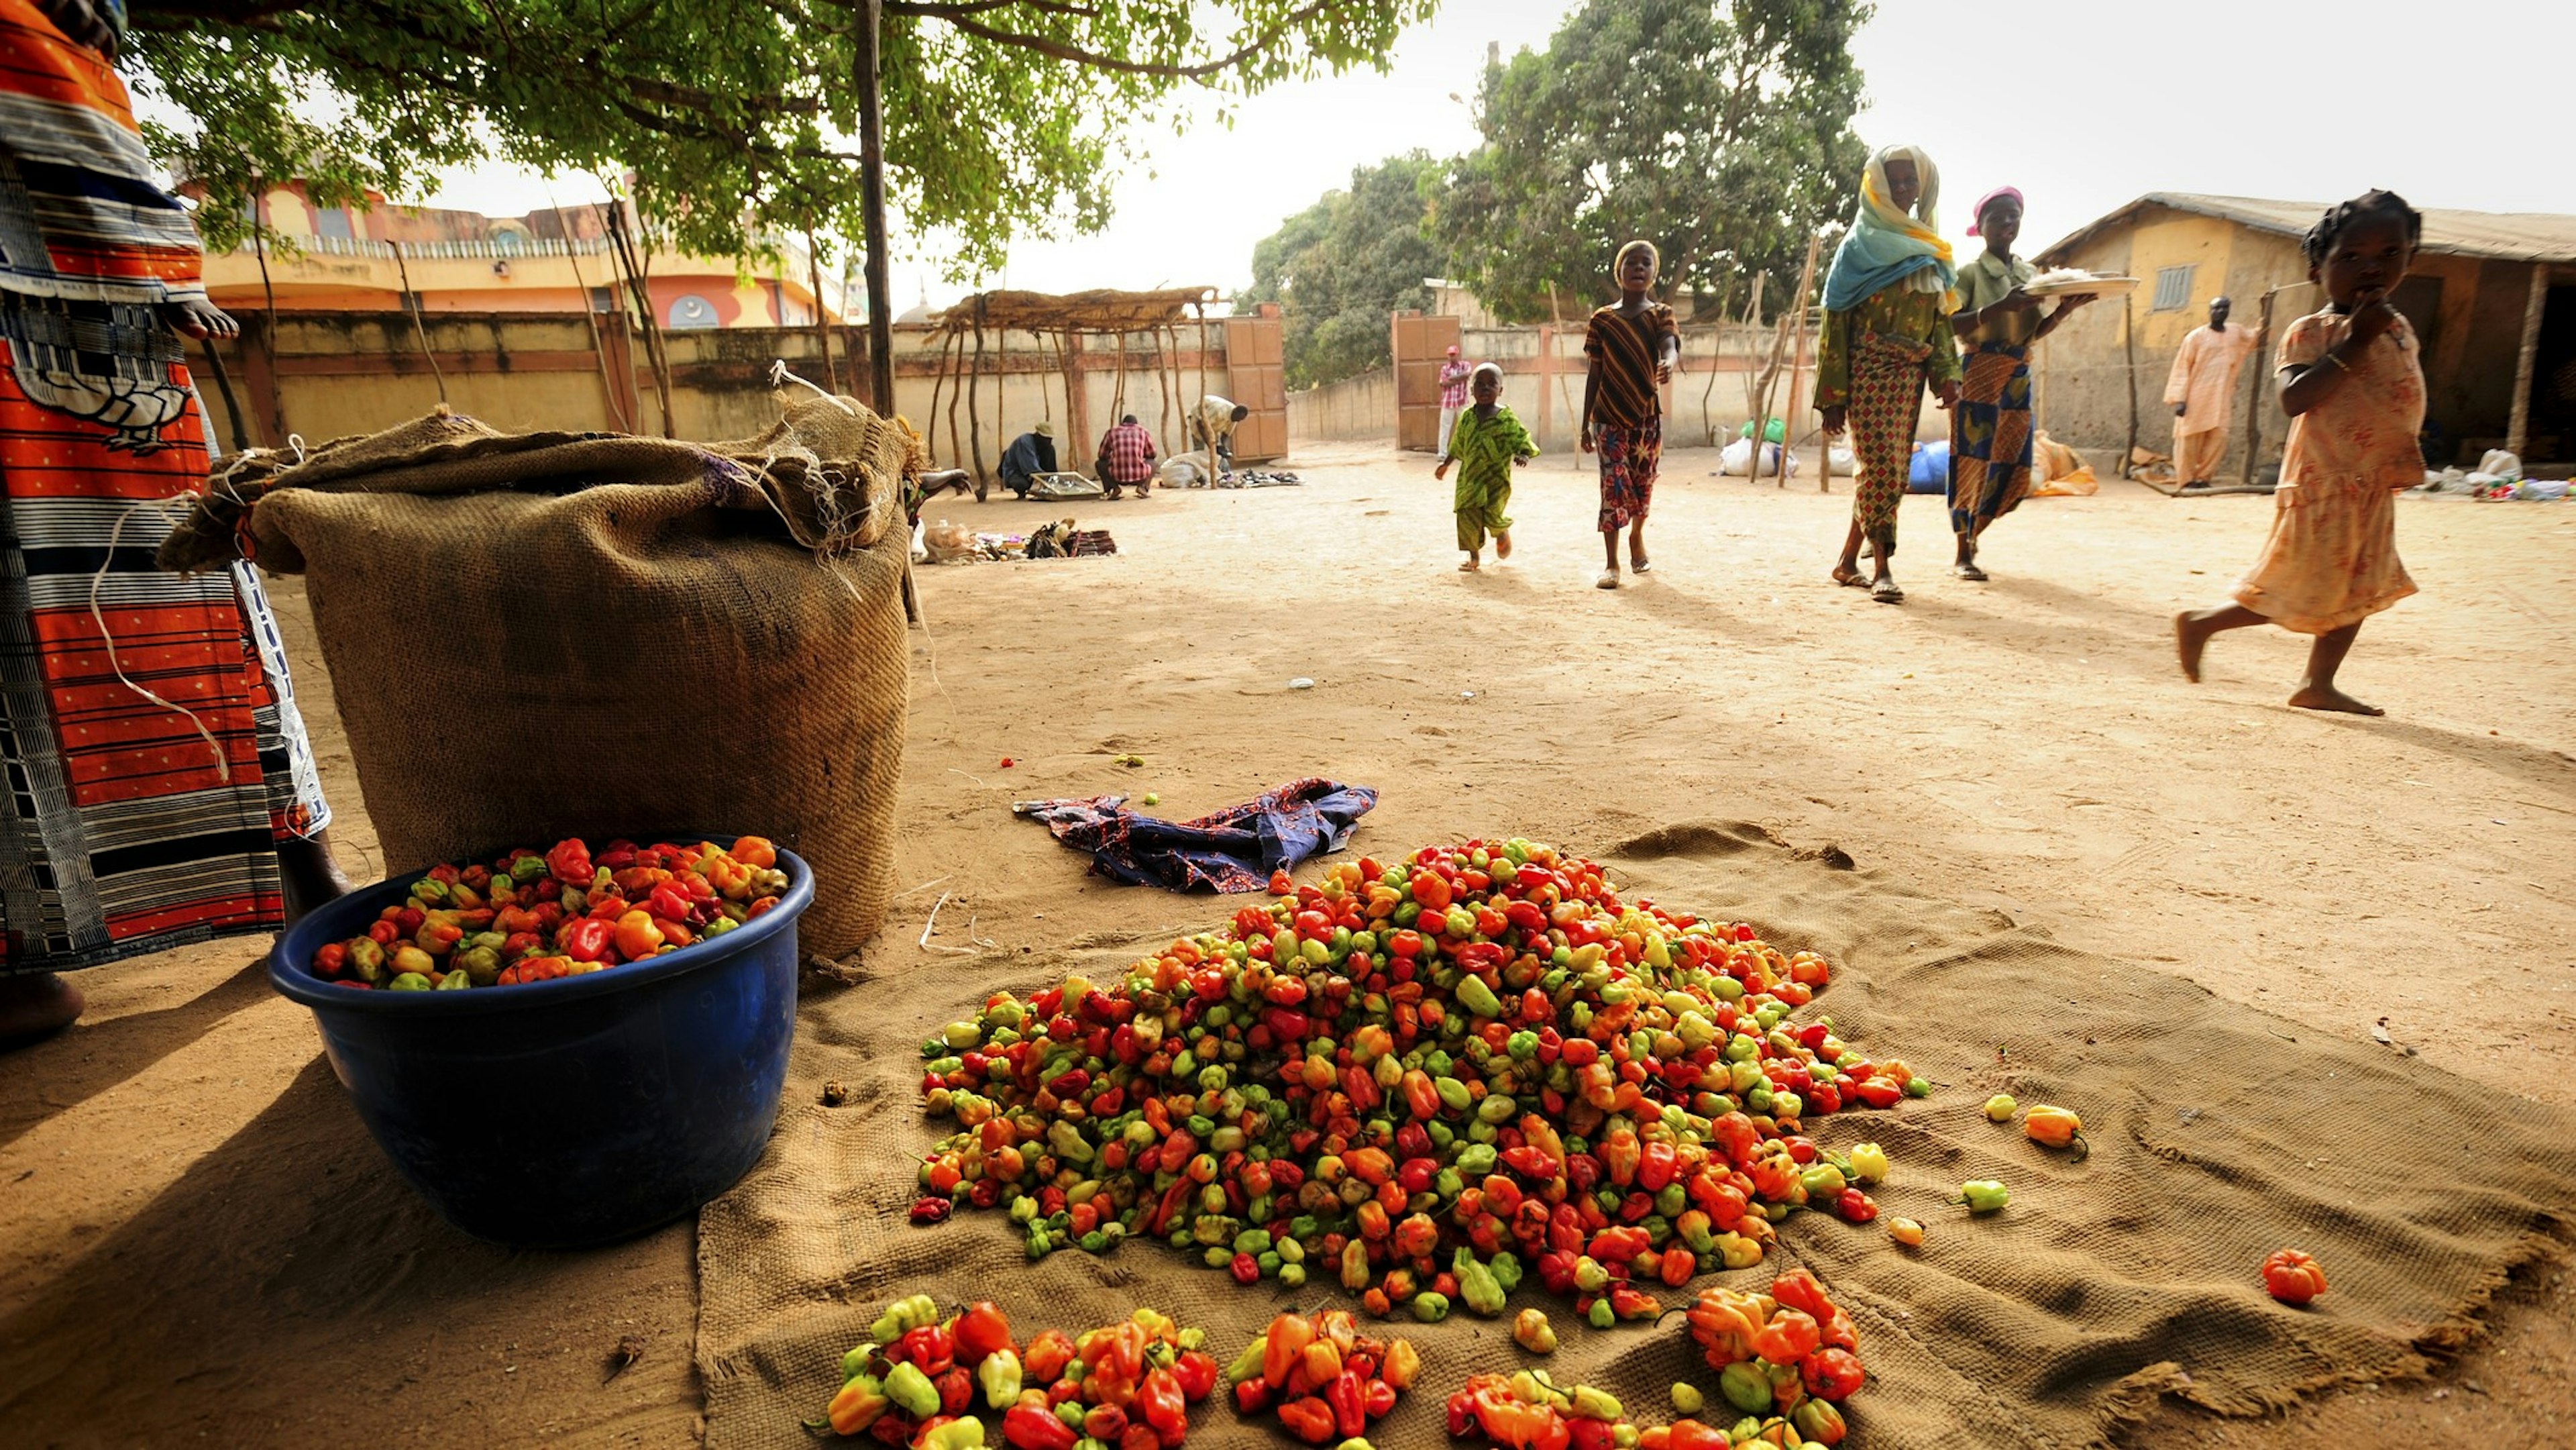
(2500, 464)
(945, 542)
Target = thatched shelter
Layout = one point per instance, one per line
(970, 330)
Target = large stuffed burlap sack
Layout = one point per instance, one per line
(542, 635)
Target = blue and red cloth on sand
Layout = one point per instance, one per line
(1234, 850)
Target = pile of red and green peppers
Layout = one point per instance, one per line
(921, 1381)
(1418, 1078)
(526, 917)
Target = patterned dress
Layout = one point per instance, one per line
(2331, 558)
(1874, 360)
(131, 821)
(1485, 450)
(1627, 419)
(1990, 432)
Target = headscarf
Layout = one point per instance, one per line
(1977, 218)
(1483, 368)
(1886, 246)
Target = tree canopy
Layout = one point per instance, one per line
(1340, 266)
(1002, 117)
(1720, 130)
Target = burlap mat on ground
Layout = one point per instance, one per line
(2219, 1134)
(540, 635)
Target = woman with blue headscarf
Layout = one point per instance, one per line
(1887, 304)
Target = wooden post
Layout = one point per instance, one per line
(1797, 359)
(1573, 410)
(420, 329)
(822, 325)
(1192, 411)
(1546, 375)
(276, 418)
(2254, 390)
(2129, 342)
(975, 399)
(2517, 433)
(618, 417)
(224, 388)
(1077, 399)
(864, 72)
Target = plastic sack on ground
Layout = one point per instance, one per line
(1930, 471)
(2500, 464)
(944, 542)
(1736, 460)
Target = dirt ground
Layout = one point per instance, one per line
(198, 1243)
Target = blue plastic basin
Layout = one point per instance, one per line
(576, 1111)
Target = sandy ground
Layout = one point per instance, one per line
(199, 1244)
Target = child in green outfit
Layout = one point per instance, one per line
(1486, 443)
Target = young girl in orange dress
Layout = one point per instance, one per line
(2355, 396)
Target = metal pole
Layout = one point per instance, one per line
(864, 70)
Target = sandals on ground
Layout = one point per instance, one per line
(1886, 592)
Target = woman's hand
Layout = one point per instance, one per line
(2018, 300)
(1442, 471)
(1835, 415)
(1947, 390)
(199, 318)
(1586, 439)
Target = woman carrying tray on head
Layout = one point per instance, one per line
(132, 822)
(1997, 321)
(1886, 298)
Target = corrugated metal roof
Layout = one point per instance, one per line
(2507, 236)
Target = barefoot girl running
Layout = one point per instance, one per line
(2355, 396)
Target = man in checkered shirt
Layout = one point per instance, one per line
(1126, 458)
(1453, 396)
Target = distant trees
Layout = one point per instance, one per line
(1340, 266)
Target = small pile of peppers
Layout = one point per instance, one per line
(1528, 1411)
(918, 1379)
(526, 917)
(1415, 1077)
(1322, 1378)
(1789, 1355)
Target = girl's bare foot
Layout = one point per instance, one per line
(2327, 697)
(1849, 577)
(1469, 566)
(1502, 547)
(2189, 640)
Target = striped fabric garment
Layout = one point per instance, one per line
(1627, 349)
(127, 825)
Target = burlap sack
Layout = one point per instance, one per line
(540, 635)
(2219, 1134)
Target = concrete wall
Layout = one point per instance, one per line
(325, 375)
(1543, 371)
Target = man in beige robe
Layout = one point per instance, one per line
(2203, 382)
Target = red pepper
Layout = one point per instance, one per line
(569, 862)
(1378, 1399)
(1589, 1435)
(1197, 1372)
(956, 1391)
(1164, 1406)
(928, 1210)
(931, 1348)
(1349, 1402)
(1252, 1396)
(1246, 1269)
(1655, 1167)
(671, 901)
(1831, 1374)
(587, 940)
(1034, 1427)
(981, 1331)
(1309, 1419)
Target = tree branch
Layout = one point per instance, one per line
(1059, 50)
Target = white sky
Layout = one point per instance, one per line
(2099, 102)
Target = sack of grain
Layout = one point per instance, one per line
(541, 635)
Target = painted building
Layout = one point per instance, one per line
(340, 260)
(2492, 298)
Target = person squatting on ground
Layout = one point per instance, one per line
(1126, 458)
(2201, 389)
(1632, 345)
(1029, 455)
(1887, 296)
(1485, 444)
(130, 826)
(2354, 391)
(1997, 321)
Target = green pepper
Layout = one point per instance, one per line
(1983, 1195)
(1601, 1315)
(1478, 997)
(408, 982)
(904, 1316)
(454, 981)
(1745, 1386)
(955, 1435)
(1430, 1308)
(1507, 1270)
(912, 1391)
(1477, 1286)
(999, 1374)
(1687, 1399)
